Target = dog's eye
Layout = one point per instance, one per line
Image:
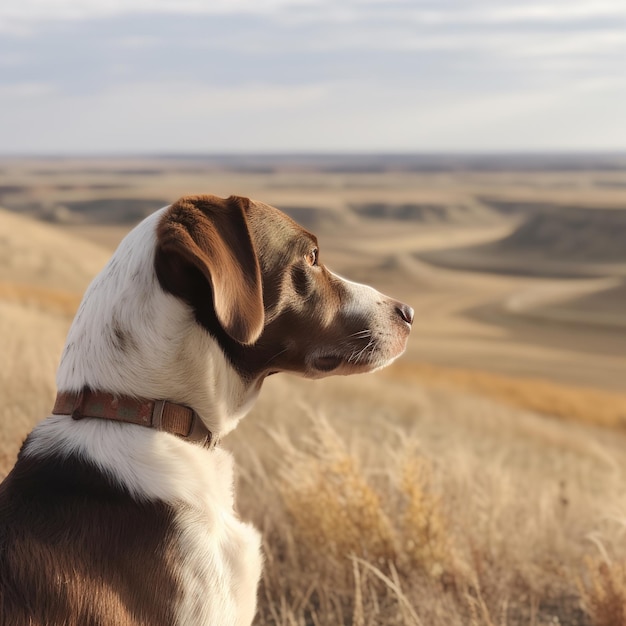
(311, 257)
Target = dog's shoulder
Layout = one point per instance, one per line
(77, 540)
(71, 537)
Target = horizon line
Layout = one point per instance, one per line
(157, 154)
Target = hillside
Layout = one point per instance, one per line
(458, 213)
(558, 242)
(573, 234)
(43, 273)
(38, 254)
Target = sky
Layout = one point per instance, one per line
(215, 76)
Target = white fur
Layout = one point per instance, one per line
(228, 555)
(167, 355)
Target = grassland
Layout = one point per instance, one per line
(480, 480)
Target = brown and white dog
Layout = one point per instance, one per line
(102, 522)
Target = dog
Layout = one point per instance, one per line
(119, 510)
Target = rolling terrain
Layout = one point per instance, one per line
(480, 479)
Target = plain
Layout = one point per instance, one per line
(478, 481)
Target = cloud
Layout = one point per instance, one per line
(25, 90)
(164, 117)
(189, 118)
(60, 10)
(457, 12)
(193, 75)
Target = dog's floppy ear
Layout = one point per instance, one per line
(211, 235)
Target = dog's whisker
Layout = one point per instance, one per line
(360, 333)
(363, 350)
(275, 356)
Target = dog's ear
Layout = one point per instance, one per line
(212, 235)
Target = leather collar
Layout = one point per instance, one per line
(163, 415)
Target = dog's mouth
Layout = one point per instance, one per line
(333, 363)
(369, 358)
(327, 363)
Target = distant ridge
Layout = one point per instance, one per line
(372, 162)
(415, 162)
(558, 241)
(572, 234)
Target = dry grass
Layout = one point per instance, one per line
(587, 405)
(426, 544)
(327, 496)
(404, 538)
(38, 254)
(417, 506)
(31, 345)
(41, 298)
(469, 513)
(604, 592)
(347, 547)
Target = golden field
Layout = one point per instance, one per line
(481, 479)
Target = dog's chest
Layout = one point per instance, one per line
(220, 567)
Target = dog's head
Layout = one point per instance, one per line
(207, 297)
(256, 282)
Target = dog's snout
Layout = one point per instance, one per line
(405, 312)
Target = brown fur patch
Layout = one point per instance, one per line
(75, 549)
(211, 234)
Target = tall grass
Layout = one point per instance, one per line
(386, 502)
(31, 343)
(361, 527)
(40, 298)
(589, 405)
(343, 545)
(603, 592)
(466, 510)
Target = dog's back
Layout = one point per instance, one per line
(73, 548)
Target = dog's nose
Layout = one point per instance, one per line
(406, 312)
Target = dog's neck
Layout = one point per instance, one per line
(161, 415)
(166, 354)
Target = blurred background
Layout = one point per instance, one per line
(468, 157)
